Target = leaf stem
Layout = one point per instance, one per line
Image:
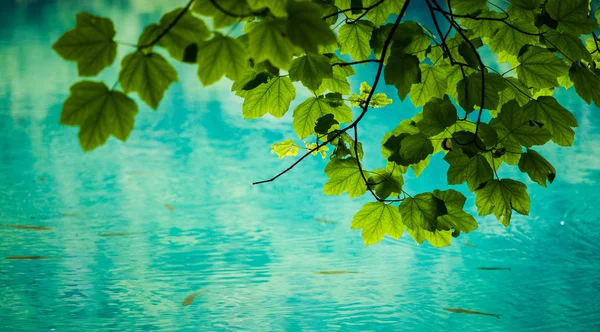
(168, 28)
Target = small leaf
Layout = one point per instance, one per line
(421, 211)
(438, 114)
(500, 197)
(273, 97)
(285, 148)
(386, 181)
(307, 113)
(324, 123)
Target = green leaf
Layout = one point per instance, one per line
(379, 100)
(537, 167)
(470, 90)
(470, 56)
(540, 68)
(221, 18)
(276, 7)
(285, 148)
(586, 81)
(402, 71)
(501, 197)
(90, 44)
(570, 46)
(474, 171)
(189, 30)
(148, 74)
(311, 69)
(515, 123)
(273, 97)
(456, 219)
(307, 113)
(415, 148)
(355, 39)
(515, 90)
(339, 82)
(344, 175)
(555, 118)
(463, 7)
(572, 15)
(433, 85)
(268, 40)
(508, 39)
(486, 25)
(98, 112)
(386, 181)
(438, 114)
(305, 27)
(220, 56)
(325, 123)
(377, 219)
(421, 211)
(526, 4)
(379, 14)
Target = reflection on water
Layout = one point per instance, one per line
(179, 195)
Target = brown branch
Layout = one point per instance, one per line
(168, 28)
(232, 14)
(386, 44)
(344, 64)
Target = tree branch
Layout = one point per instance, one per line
(366, 9)
(168, 28)
(386, 45)
(344, 64)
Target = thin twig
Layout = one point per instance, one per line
(386, 44)
(168, 28)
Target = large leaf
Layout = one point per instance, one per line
(540, 68)
(221, 15)
(276, 7)
(586, 81)
(572, 15)
(311, 69)
(471, 87)
(148, 74)
(188, 33)
(474, 171)
(377, 219)
(305, 27)
(220, 56)
(307, 113)
(433, 85)
(98, 112)
(268, 40)
(569, 45)
(344, 175)
(402, 71)
(354, 39)
(387, 181)
(438, 114)
(537, 167)
(500, 197)
(555, 118)
(467, 6)
(514, 122)
(421, 211)
(510, 40)
(273, 97)
(90, 44)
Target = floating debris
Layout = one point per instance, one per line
(470, 312)
(188, 300)
(493, 268)
(335, 272)
(469, 244)
(122, 233)
(70, 214)
(170, 207)
(42, 179)
(33, 228)
(325, 221)
(26, 257)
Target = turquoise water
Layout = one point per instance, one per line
(254, 250)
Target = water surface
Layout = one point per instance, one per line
(253, 250)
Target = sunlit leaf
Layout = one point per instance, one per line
(311, 69)
(433, 85)
(305, 27)
(376, 220)
(474, 171)
(285, 148)
(421, 211)
(344, 175)
(540, 68)
(537, 167)
(555, 118)
(307, 113)
(273, 97)
(500, 197)
(220, 56)
(355, 39)
(572, 15)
